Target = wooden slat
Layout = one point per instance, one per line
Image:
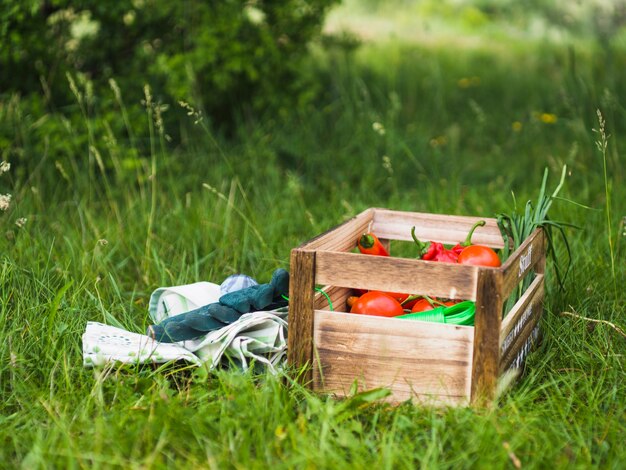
(300, 316)
(520, 343)
(453, 281)
(521, 330)
(338, 296)
(343, 237)
(534, 291)
(485, 366)
(447, 229)
(540, 266)
(520, 263)
(413, 358)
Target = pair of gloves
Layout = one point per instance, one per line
(227, 310)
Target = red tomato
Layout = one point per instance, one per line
(377, 303)
(409, 305)
(479, 255)
(424, 305)
(399, 297)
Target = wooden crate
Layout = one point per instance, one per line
(420, 360)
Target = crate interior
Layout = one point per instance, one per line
(408, 250)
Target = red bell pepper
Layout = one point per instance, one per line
(434, 251)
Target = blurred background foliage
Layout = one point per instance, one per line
(66, 61)
(74, 73)
(220, 54)
(561, 20)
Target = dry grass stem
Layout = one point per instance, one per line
(595, 320)
(514, 459)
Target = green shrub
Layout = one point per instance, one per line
(226, 56)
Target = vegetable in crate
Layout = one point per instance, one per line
(351, 300)
(425, 304)
(369, 244)
(477, 255)
(459, 247)
(377, 303)
(464, 253)
(516, 227)
(434, 251)
(398, 296)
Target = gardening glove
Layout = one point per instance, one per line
(261, 296)
(227, 310)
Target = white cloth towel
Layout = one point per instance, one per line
(256, 336)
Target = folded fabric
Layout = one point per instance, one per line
(105, 343)
(261, 336)
(226, 310)
(169, 301)
(236, 282)
(257, 336)
(241, 338)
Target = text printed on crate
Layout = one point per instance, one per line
(525, 260)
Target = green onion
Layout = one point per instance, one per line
(516, 228)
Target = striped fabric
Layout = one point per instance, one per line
(236, 282)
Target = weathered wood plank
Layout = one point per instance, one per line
(520, 263)
(485, 366)
(338, 296)
(415, 359)
(453, 281)
(520, 343)
(518, 360)
(447, 229)
(386, 242)
(540, 266)
(344, 236)
(519, 310)
(518, 336)
(300, 316)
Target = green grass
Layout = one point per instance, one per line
(97, 244)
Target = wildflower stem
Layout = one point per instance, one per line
(602, 145)
(153, 181)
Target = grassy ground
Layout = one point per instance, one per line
(462, 128)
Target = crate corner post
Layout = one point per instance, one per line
(300, 316)
(486, 355)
